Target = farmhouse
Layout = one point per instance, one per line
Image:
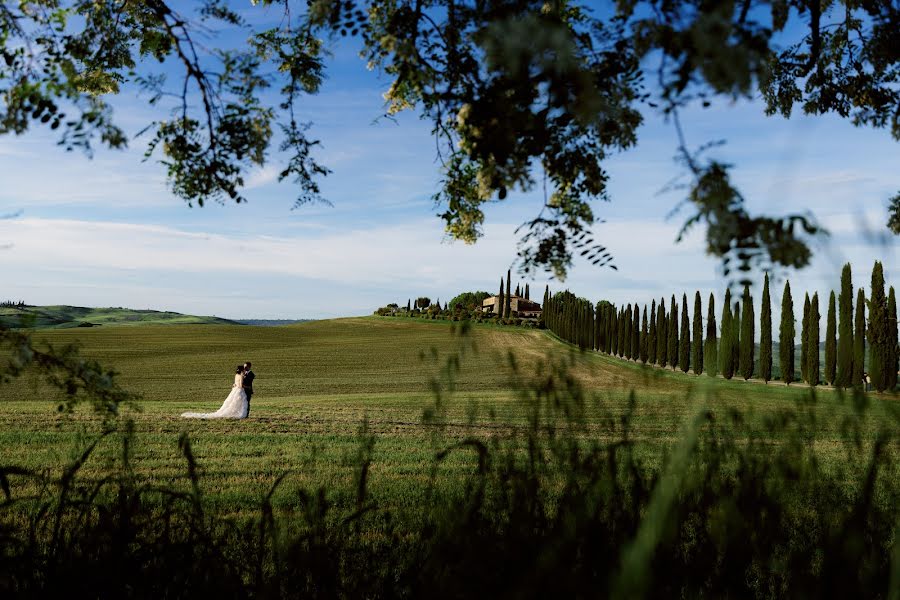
(523, 307)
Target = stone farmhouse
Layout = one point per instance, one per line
(527, 309)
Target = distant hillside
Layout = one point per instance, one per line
(271, 322)
(65, 317)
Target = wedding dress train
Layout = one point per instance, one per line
(234, 407)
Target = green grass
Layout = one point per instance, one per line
(64, 317)
(317, 382)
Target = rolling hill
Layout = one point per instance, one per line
(65, 317)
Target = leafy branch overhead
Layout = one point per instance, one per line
(521, 94)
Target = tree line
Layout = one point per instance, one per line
(861, 338)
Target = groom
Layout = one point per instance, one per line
(248, 384)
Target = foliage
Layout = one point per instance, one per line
(844, 377)
(878, 335)
(652, 333)
(787, 336)
(711, 348)
(765, 334)
(893, 358)
(812, 342)
(672, 351)
(684, 342)
(645, 353)
(748, 336)
(467, 301)
(697, 337)
(726, 344)
(736, 337)
(859, 339)
(516, 94)
(662, 334)
(831, 341)
(804, 341)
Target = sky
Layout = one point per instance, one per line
(107, 232)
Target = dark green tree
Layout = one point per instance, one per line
(812, 342)
(765, 334)
(651, 336)
(748, 336)
(844, 376)
(711, 348)
(804, 341)
(662, 334)
(644, 336)
(725, 337)
(697, 337)
(409, 305)
(684, 342)
(527, 292)
(786, 336)
(831, 340)
(726, 353)
(877, 333)
(893, 362)
(672, 350)
(736, 336)
(636, 334)
(859, 339)
(614, 331)
(629, 333)
(622, 332)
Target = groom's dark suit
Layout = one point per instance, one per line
(248, 387)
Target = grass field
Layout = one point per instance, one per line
(317, 382)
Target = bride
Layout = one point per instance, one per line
(235, 405)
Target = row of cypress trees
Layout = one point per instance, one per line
(672, 339)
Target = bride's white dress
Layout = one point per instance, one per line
(234, 407)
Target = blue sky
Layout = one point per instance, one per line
(106, 232)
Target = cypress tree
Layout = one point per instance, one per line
(517, 290)
(651, 336)
(726, 351)
(859, 339)
(786, 336)
(621, 330)
(500, 301)
(711, 349)
(408, 304)
(672, 350)
(724, 342)
(844, 376)
(507, 307)
(804, 345)
(644, 337)
(629, 333)
(527, 292)
(812, 342)
(636, 333)
(893, 363)
(831, 341)
(684, 344)
(736, 335)
(614, 331)
(697, 337)
(878, 330)
(765, 334)
(662, 337)
(748, 336)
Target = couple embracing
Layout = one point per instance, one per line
(237, 404)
